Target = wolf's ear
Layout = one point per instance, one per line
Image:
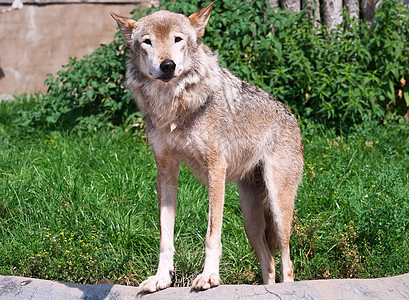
(126, 26)
(199, 19)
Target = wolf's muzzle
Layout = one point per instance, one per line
(167, 67)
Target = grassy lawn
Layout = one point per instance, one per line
(82, 208)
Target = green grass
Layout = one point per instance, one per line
(79, 208)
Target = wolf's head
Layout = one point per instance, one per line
(161, 43)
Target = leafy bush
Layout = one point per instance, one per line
(342, 77)
(86, 94)
(339, 78)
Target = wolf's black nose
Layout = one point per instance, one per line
(168, 66)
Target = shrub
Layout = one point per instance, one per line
(339, 78)
(86, 94)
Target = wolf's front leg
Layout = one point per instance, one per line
(167, 177)
(215, 188)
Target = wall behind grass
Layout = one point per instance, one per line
(38, 38)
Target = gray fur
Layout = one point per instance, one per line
(221, 127)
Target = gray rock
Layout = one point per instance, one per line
(12, 287)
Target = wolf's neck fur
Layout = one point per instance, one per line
(164, 103)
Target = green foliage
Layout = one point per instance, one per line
(339, 78)
(390, 42)
(86, 94)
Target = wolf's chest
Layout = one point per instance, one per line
(199, 145)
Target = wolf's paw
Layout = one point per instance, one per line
(205, 282)
(155, 283)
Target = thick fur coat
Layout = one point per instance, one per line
(224, 129)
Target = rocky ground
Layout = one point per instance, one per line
(394, 288)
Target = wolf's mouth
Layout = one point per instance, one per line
(162, 77)
(166, 78)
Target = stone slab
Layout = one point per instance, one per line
(396, 288)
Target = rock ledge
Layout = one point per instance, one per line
(12, 287)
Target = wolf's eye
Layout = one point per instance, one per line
(147, 41)
(178, 39)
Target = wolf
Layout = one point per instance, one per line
(223, 129)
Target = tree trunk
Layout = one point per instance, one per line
(313, 7)
(352, 7)
(273, 3)
(293, 5)
(332, 11)
(368, 10)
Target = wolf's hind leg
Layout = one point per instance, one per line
(281, 186)
(252, 193)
